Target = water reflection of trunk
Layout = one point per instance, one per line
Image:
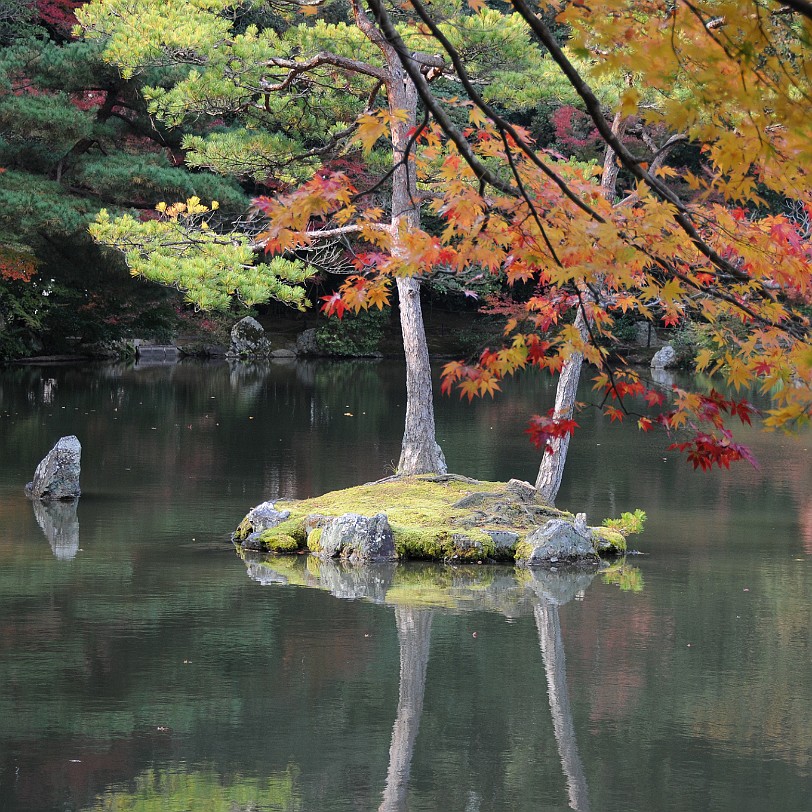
(548, 623)
(414, 635)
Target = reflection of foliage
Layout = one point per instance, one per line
(629, 523)
(628, 579)
(179, 791)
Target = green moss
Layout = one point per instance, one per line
(279, 542)
(607, 540)
(244, 530)
(442, 543)
(314, 540)
(523, 551)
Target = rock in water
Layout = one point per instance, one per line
(248, 340)
(666, 358)
(57, 476)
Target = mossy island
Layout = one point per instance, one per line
(427, 517)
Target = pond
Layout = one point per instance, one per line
(146, 666)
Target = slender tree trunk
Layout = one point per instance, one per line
(551, 470)
(548, 624)
(420, 453)
(414, 634)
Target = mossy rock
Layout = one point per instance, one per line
(277, 542)
(608, 541)
(438, 518)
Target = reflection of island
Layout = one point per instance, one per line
(60, 524)
(415, 591)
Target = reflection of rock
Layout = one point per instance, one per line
(57, 476)
(59, 522)
(662, 376)
(511, 592)
(414, 636)
(557, 540)
(264, 575)
(666, 358)
(355, 537)
(370, 582)
(248, 340)
(559, 587)
(247, 379)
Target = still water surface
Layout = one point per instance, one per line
(144, 666)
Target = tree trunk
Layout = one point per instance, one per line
(551, 470)
(420, 453)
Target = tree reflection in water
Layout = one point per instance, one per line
(415, 594)
(414, 636)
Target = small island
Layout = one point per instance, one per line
(443, 517)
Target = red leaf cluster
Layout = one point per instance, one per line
(544, 428)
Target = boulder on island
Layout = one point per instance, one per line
(57, 476)
(354, 537)
(557, 541)
(248, 340)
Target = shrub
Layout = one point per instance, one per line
(353, 336)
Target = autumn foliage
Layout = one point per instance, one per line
(679, 245)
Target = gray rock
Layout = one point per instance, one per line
(557, 541)
(283, 353)
(524, 491)
(646, 335)
(666, 358)
(504, 540)
(466, 548)
(306, 343)
(57, 476)
(265, 516)
(358, 538)
(474, 499)
(248, 340)
(580, 527)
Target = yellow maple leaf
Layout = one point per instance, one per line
(370, 129)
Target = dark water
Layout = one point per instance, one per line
(144, 667)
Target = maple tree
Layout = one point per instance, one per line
(719, 242)
(273, 83)
(715, 254)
